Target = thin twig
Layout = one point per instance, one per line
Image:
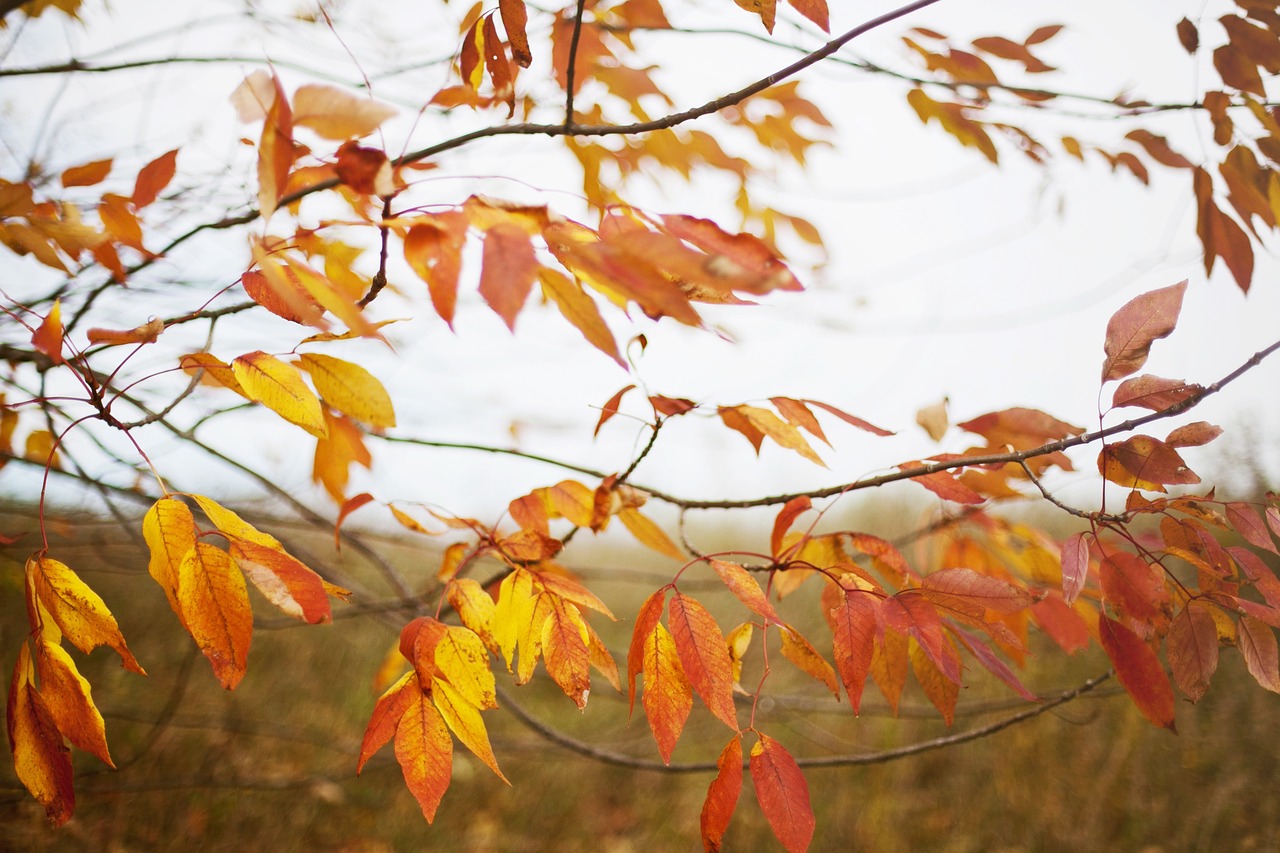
(572, 66)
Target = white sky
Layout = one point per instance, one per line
(946, 276)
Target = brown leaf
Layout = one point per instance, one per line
(1192, 649)
(514, 19)
(1153, 392)
(1139, 323)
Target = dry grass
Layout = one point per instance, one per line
(271, 766)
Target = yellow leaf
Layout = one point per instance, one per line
(780, 431)
(350, 389)
(169, 529)
(42, 763)
(279, 386)
(580, 310)
(216, 370)
(233, 526)
(476, 609)
(80, 614)
(513, 608)
(48, 335)
(336, 114)
(41, 448)
(464, 720)
(215, 606)
(649, 533)
(460, 656)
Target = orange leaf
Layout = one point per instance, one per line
(667, 696)
(153, 178)
(704, 656)
(465, 722)
(945, 485)
(433, 248)
(952, 587)
(610, 408)
(364, 169)
(425, 752)
(275, 151)
(1063, 624)
(746, 588)
(216, 371)
(79, 612)
(1139, 672)
(283, 296)
(601, 659)
(47, 337)
(783, 794)
(648, 617)
(215, 607)
(349, 506)
(147, 333)
(1136, 326)
(1143, 462)
(170, 532)
(565, 651)
(284, 580)
(910, 612)
(814, 10)
(514, 19)
(744, 251)
(507, 271)
(941, 691)
(722, 795)
(42, 762)
(1133, 585)
(580, 310)
(69, 702)
(86, 175)
(853, 635)
(279, 386)
(797, 649)
(1153, 392)
(335, 454)
(387, 712)
(1192, 649)
(769, 424)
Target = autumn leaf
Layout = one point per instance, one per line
(279, 386)
(514, 18)
(86, 175)
(215, 608)
(1075, 565)
(667, 695)
(783, 794)
(47, 337)
(147, 333)
(283, 579)
(1192, 650)
(336, 114)
(169, 530)
(939, 689)
(387, 712)
(153, 178)
(704, 656)
(1258, 646)
(464, 720)
(800, 652)
(746, 588)
(1153, 392)
(1136, 326)
(350, 389)
(565, 651)
(507, 271)
(1143, 462)
(854, 627)
(1133, 585)
(1139, 672)
(79, 612)
(42, 762)
(68, 700)
(424, 750)
(949, 587)
(722, 795)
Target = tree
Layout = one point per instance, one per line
(347, 225)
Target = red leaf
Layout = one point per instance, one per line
(1064, 625)
(610, 408)
(1192, 650)
(853, 633)
(746, 588)
(786, 517)
(783, 794)
(850, 419)
(366, 170)
(910, 612)
(1139, 323)
(349, 506)
(945, 486)
(646, 620)
(948, 587)
(387, 712)
(994, 665)
(1133, 585)
(1139, 672)
(1075, 566)
(814, 10)
(1193, 435)
(722, 795)
(507, 271)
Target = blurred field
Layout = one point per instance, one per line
(271, 766)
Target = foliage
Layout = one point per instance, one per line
(1183, 573)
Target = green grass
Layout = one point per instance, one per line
(271, 766)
